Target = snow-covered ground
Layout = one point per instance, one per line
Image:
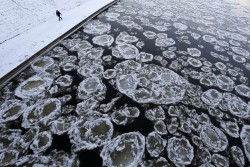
(27, 26)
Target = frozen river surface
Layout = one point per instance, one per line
(147, 83)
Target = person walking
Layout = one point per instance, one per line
(59, 14)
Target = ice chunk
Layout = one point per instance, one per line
(241, 51)
(125, 51)
(103, 40)
(211, 97)
(155, 144)
(34, 87)
(204, 155)
(225, 83)
(160, 162)
(28, 138)
(238, 156)
(213, 138)
(11, 110)
(169, 54)
(9, 139)
(209, 38)
(64, 81)
(231, 128)
(220, 161)
(245, 138)
(90, 70)
(194, 52)
(239, 59)
(125, 115)
(109, 74)
(180, 151)
(93, 54)
(173, 125)
(164, 42)
(243, 90)
(111, 16)
(97, 27)
(62, 125)
(155, 114)
(86, 106)
(91, 87)
(149, 34)
(160, 127)
(180, 26)
(124, 150)
(91, 134)
(125, 38)
(9, 158)
(42, 112)
(194, 62)
(41, 142)
(220, 66)
(43, 64)
(144, 57)
(127, 83)
(238, 107)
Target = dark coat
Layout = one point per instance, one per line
(58, 13)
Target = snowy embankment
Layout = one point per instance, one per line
(28, 26)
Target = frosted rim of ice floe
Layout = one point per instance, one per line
(211, 97)
(43, 64)
(103, 40)
(194, 62)
(11, 110)
(41, 112)
(41, 142)
(125, 38)
(64, 81)
(91, 134)
(124, 150)
(33, 87)
(96, 27)
(180, 151)
(213, 138)
(155, 144)
(125, 51)
(194, 52)
(91, 87)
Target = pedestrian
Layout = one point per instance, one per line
(59, 14)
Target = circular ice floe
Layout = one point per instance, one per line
(125, 115)
(144, 57)
(238, 107)
(238, 156)
(127, 83)
(97, 27)
(28, 137)
(180, 26)
(220, 160)
(245, 138)
(64, 81)
(164, 42)
(62, 125)
(194, 62)
(91, 134)
(125, 51)
(239, 59)
(11, 110)
(241, 52)
(91, 87)
(231, 128)
(112, 16)
(41, 112)
(155, 144)
(149, 34)
(124, 38)
(124, 150)
(169, 54)
(213, 138)
(209, 38)
(43, 64)
(211, 97)
(180, 151)
(42, 142)
(243, 90)
(34, 87)
(103, 40)
(225, 83)
(194, 52)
